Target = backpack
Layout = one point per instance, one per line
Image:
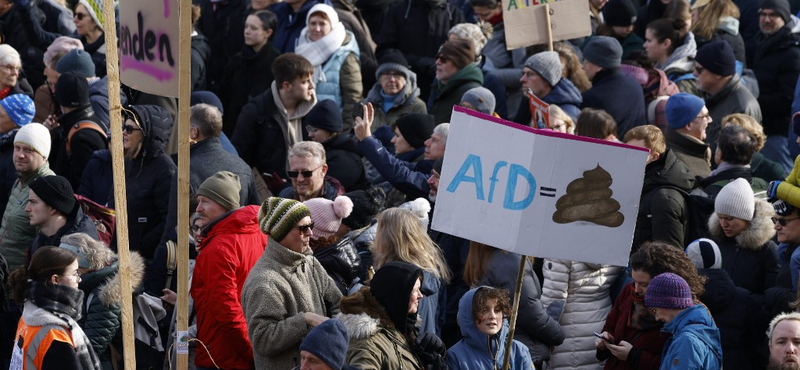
(699, 207)
(104, 218)
(80, 126)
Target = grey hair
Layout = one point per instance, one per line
(9, 55)
(308, 149)
(207, 118)
(442, 130)
(795, 316)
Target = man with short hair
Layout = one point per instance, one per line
(715, 73)
(735, 149)
(288, 291)
(270, 123)
(787, 233)
(784, 342)
(612, 91)
(308, 172)
(232, 243)
(31, 148)
(688, 119)
(541, 76)
(15, 111)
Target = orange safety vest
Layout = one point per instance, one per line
(33, 342)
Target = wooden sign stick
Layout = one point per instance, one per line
(513, 319)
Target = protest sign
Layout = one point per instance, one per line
(540, 111)
(148, 45)
(538, 192)
(526, 22)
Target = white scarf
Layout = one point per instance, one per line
(318, 52)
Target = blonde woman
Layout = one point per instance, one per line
(714, 20)
(401, 237)
(760, 166)
(561, 121)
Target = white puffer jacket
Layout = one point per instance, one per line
(577, 295)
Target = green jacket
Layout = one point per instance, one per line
(445, 96)
(16, 232)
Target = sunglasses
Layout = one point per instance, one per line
(80, 16)
(306, 174)
(783, 221)
(304, 228)
(130, 129)
(442, 59)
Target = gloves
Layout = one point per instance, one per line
(431, 351)
(772, 189)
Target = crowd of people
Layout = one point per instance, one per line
(318, 130)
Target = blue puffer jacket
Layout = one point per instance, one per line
(564, 94)
(429, 311)
(695, 341)
(479, 351)
(330, 88)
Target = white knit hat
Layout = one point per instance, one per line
(736, 200)
(420, 207)
(36, 136)
(327, 215)
(95, 9)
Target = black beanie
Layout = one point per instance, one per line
(620, 13)
(416, 128)
(392, 286)
(56, 192)
(779, 6)
(72, 90)
(717, 57)
(325, 116)
(366, 204)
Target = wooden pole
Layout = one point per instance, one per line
(184, 81)
(549, 27)
(513, 319)
(118, 163)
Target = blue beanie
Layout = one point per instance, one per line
(328, 341)
(325, 116)
(682, 109)
(77, 61)
(20, 108)
(668, 291)
(717, 57)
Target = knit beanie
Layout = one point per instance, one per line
(668, 291)
(736, 199)
(60, 46)
(72, 90)
(20, 108)
(682, 109)
(366, 204)
(603, 51)
(327, 215)
(472, 32)
(95, 10)
(325, 116)
(36, 136)
(416, 128)
(704, 254)
(717, 57)
(481, 98)
(393, 60)
(329, 342)
(206, 97)
(620, 13)
(392, 286)
(83, 259)
(420, 207)
(460, 52)
(56, 192)
(547, 64)
(779, 6)
(782, 207)
(329, 11)
(77, 61)
(223, 188)
(278, 216)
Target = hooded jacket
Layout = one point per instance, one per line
(750, 258)
(663, 212)
(232, 245)
(406, 102)
(776, 64)
(445, 95)
(148, 178)
(564, 94)
(289, 24)
(248, 74)
(679, 66)
(732, 98)
(695, 341)
(481, 351)
(727, 30)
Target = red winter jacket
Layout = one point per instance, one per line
(230, 249)
(647, 345)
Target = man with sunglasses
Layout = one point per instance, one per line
(787, 232)
(307, 170)
(232, 243)
(288, 291)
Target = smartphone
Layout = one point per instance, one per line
(596, 334)
(358, 110)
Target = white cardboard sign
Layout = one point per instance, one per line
(538, 192)
(525, 22)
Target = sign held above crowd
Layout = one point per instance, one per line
(526, 21)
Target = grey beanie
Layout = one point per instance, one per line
(223, 188)
(736, 200)
(481, 98)
(603, 51)
(547, 64)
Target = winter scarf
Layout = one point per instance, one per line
(60, 305)
(318, 52)
(641, 318)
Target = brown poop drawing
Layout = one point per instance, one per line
(589, 199)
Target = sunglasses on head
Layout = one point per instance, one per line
(304, 228)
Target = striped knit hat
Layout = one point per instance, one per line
(278, 216)
(95, 9)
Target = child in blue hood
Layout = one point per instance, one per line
(482, 315)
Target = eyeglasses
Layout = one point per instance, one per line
(11, 68)
(783, 220)
(704, 117)
(129, 129)
(305, 228)
(398, 75)
(80, 16)
(443, 59)
(194, 228)
(768, 15)
(306, 174)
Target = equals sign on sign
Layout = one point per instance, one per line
(547, 192)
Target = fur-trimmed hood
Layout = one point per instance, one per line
(111, 292)
(757, 233)
(364, 317)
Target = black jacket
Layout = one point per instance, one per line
(223, 29)
(341, 262)
(83, 144)
(8, 174)
(620, 96)
(713, 184)
(76, 223)
(776, 64)
(777, 298)
(344, 162)
(201, 52)
(248, 74)
(662, 210)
